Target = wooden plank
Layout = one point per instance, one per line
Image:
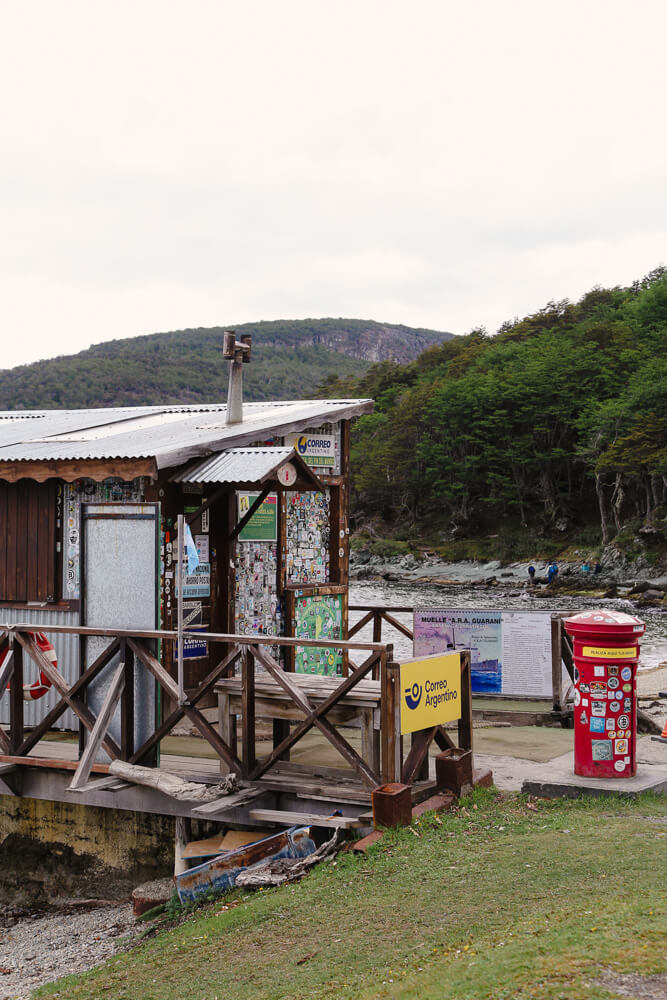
(7, 768)
(465, 722)
(21, 544)
(6, 670)
(248, 710)
(390, 722)
(210, 810)
(357, 627)
(11, 593)
(3, 548)
(110, 784)
(97, 469)
(99, 730)
(50, 763)
(127, 703)
(5, 743)
(303, 819)
(421, 742)
(16, 697)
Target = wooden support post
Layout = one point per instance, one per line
(127, 703)
(390, 713)
(248, 708)
(181, 838)
(16, 696)
(465, 722)
(100, 728)
(556, 669)
(377, 637)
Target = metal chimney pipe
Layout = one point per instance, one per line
(237, 353)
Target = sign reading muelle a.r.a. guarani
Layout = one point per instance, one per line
(430, 691)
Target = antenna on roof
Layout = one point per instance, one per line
(238, 352)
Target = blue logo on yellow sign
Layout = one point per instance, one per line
(413, 695)
(302, 444)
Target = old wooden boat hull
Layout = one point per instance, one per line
(221, 873)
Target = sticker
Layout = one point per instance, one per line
(614, 706)
(627, 688)
(623, 721)
(584, 701)
(598, 670)
(613, 683)
(601, 750)
(598, 689)
(611, 695)
(585, 688)
(577, 698)
(597, 725)
(627, 760)
(583, 718)
(612, 670)
(611, 724)
(626, 673)
(612, 734)
(619, 765)
(576, 675)
(627, 704)
(621, 747)
(599, 708)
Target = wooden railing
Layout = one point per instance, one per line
(241, 654)
(132, 647)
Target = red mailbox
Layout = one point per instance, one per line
(606, 653)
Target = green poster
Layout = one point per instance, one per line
(263, 525)
(319, 617)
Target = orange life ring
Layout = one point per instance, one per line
(31, 692)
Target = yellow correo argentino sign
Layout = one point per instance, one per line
(430, 691)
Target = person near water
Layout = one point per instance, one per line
(531, 573)
(552, 572)
(598, 568)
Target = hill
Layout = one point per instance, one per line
(291, 358)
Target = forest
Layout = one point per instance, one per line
(557, 424)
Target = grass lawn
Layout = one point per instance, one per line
(507, 898)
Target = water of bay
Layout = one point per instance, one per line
(409, 595)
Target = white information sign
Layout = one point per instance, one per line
(510, 650)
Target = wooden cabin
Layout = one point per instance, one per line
(89, 501)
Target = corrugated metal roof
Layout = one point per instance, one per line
(171, 435)
(239, 465)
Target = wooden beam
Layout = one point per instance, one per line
(421, 741)
(259, 500)
(390, 721)
(49, 763)
(303, 819)
(16, 696)
(465, 722)
(248, 709)
(100, 728)
(211, 810)
(96, 469)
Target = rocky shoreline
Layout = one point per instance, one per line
(618, 577)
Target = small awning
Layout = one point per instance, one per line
(249, 467)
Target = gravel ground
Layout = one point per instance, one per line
(38, 949)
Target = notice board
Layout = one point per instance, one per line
(510, 651)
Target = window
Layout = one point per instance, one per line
(28, 560)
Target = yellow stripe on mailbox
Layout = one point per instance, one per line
(430, 691)
(606, 653)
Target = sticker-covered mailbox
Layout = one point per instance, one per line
(606, 653)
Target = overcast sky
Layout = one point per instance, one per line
(433, 163)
